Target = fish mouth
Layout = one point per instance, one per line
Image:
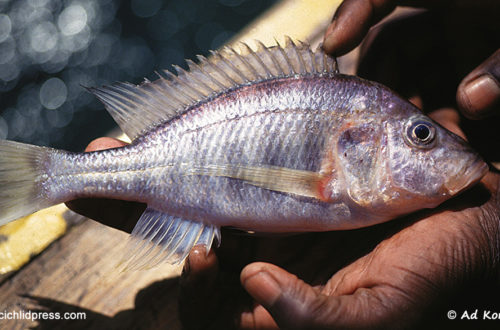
(467, 178)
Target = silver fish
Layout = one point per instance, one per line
(270, 140)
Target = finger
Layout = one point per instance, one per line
(114, 213)
(295, 304)
(258, 318)
(198, 288)
(104, 143)
(200, 268)
(281, 293)
(478, 95)
(351, 22)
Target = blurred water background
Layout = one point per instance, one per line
(49, 49)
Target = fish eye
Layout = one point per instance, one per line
(420, 133)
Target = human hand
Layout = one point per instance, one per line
(471, 25)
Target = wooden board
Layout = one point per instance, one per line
(77, 274)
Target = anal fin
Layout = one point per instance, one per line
(159, 237)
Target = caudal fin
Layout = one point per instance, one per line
(21, 175)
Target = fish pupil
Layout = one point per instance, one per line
(419, 132)
(422, 132)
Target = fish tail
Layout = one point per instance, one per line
(21, 179)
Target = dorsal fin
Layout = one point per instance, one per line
(136, 109)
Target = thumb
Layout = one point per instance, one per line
(295, 304)
(286, 297)
(479, 93)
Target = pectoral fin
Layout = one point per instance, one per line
(282, 179)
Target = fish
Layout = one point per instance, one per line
(273, 139)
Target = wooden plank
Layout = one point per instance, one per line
(77, 274)
(28, 236)
(302, 20)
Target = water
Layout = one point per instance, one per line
(50, 49)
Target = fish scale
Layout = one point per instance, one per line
(267, 140)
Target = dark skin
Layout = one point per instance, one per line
(398, 274)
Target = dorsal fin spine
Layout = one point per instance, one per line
(167, 102)
(176, 83)
(289, 44)
(232, 67)
(221, 72)
(138, 108)
(279, 69)
(204, 60)
(106, 100)
(245, 63)
(312, 59)
(305, 53)
(121, 88)
(259, 60)
(336, 64)
(195, 69)
(182, 73)
(287, 60)
(325, 63)
(115, 99)
(121, 116)
(151, 90)
(302, 66)
(167, 91)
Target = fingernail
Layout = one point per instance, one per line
(482, 93)
(263, 288)
(200, 251)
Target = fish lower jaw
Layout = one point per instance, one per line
(468, 178)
